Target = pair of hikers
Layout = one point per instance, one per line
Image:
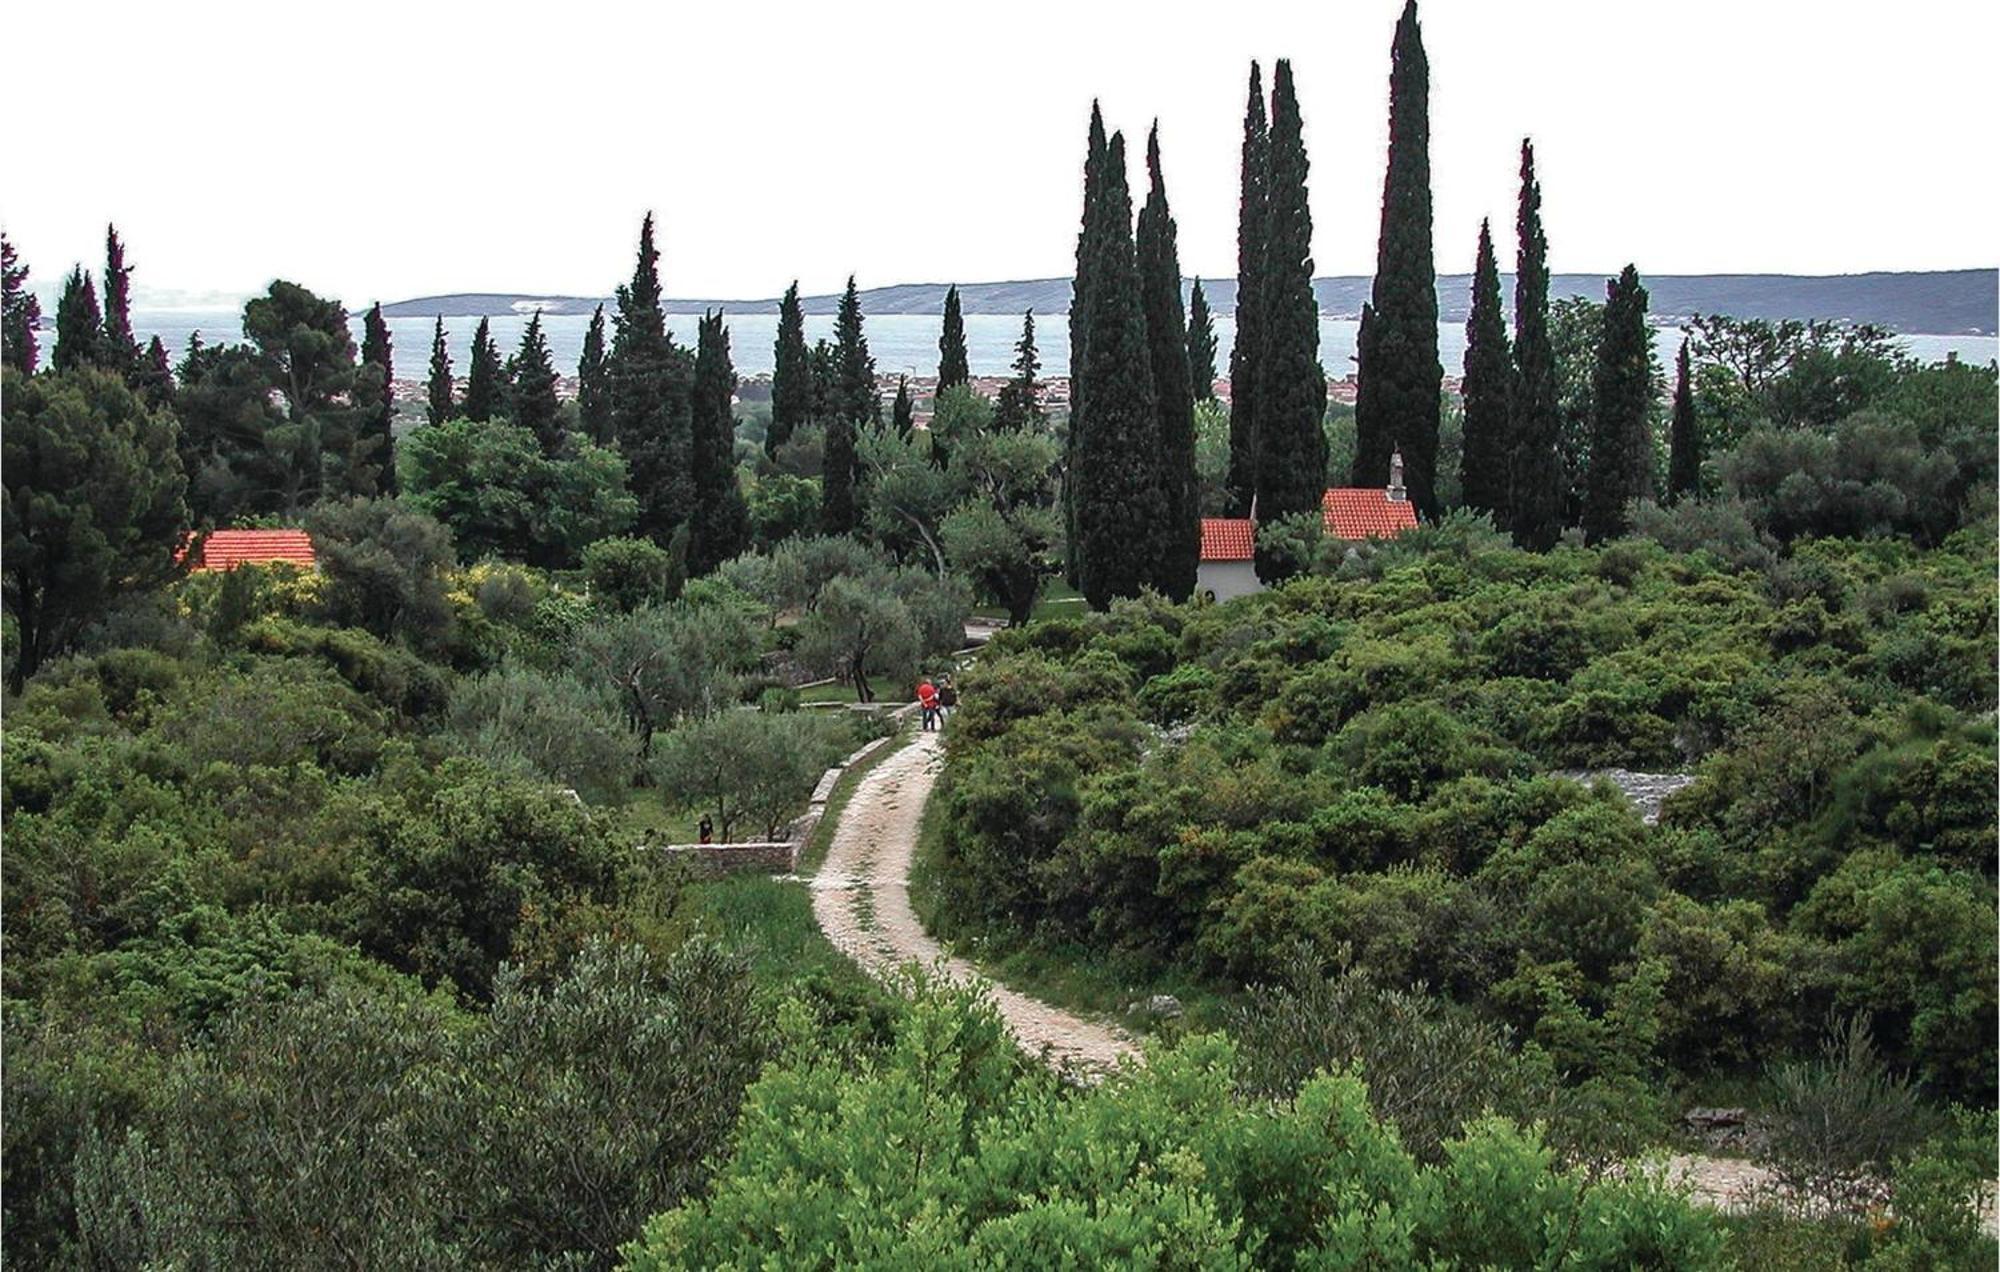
(937, 701)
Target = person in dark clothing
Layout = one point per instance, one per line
(947, 698)
(707, 829)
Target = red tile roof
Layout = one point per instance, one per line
(1227, 539)
(227, 549)
(1366, 513)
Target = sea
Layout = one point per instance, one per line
(902, 344)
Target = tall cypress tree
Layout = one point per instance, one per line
(1402, 382)
(440, 402)
(1535, 481)
(593, 384)
(904, 413)
(1095, 156)
(791, 374)
(856, 395)
(1118, 501)
(1200, 346)
(720, 527)
(1252, 215)
(1683, 435)
(377, 440)
(485, 382)
(952, 368)
(20, 313)
(1291, 384)
(650, 389)
(1622, 396)
(1020, 403)
(79, 325)
(120, 351)
(533, 400)
(1177, 541)
(825, 360)
(1489, 374)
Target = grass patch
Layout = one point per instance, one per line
(1058, 600)
(843, 791)
(838, 691)
(647, 818)
(772, 923)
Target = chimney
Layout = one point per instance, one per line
(1396, 492)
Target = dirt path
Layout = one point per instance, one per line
(861, 898)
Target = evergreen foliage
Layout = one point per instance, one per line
(440, 402)
(720, 528)
(20, 313)
(1489, 374)
(593, 384)
(1246, 353)
(1535, 483)
(855, 398)
(650, 386)
(792, 392)
(378, 386)
(485, 379)
(307, 352)
(903, 414)
(1683, 435)
(1176, 540)
(121, 351)
(1200, 346)
(155, 380)
(79, 325)
(532, 389)
(825, 361)
(1291, 384)
(952, 367)
(1622, 397)
(1095, 156)
(1401, 391)
(1019, 406)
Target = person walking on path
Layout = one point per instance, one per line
(947, 698)
(927, 697)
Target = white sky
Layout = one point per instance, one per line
(384, 151)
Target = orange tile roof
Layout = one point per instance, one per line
(1227, 539)
(227, 549)
(1366, 513)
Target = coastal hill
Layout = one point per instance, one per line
(1941, 302)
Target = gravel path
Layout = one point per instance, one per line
(861, 898)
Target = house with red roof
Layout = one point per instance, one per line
(1351, 513)
(227, 549)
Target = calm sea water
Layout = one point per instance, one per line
(901, 343)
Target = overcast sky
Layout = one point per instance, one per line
(384, 151)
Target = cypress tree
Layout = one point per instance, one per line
(905, 413)
(791, 374)
(1622, 396)
(155, 381)
(485, 382)
(650, 391)
(837, 511)
(79, 325)
(1402, 381)
(1176, 544)
(1684, 435)
(952, 368)
(1020, 404)
(440, 405)
(825, 361)
(377, 440)
(855, 395)
(1489, 373)
(1244, 355)
(1201, 346)
(593, 384)
(1535, 494)
(720, 527)
(1291, 384)
(1118, 500)
(120, 351)
(20, 313)
(533, 395)
(1095, 156)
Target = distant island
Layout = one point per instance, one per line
(1939, 302)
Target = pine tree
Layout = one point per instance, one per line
(533, 400)
(155, 380)
(1291, 384)
(952, 368)
(378, 443)
(1251, 218)
(1118, 500)
(1201, 346)
(1621, 398)
(485, 382)
(1095, 156)
(1683, 436)
(593, 384)
(1176, 541)
(1489, 373)
(904, 415)
(120, 351)
(720, 527)
(440, 404)
(1019, 407)
(651, 383)
(20, 313)
(79, 325)
(791, 374)
(1535, 481)
(1402, 382)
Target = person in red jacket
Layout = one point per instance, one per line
(927, 697)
